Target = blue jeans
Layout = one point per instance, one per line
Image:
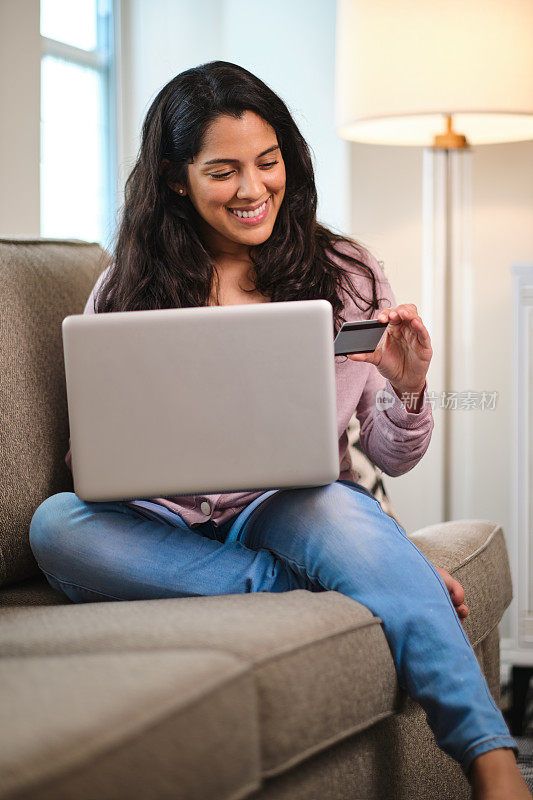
(333, 537)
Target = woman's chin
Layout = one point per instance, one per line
(251, 236)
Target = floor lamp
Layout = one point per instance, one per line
(444, 75)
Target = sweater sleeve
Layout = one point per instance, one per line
(393, 438)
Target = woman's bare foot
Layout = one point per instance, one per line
(495, 776)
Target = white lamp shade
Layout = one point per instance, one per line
(401, 67)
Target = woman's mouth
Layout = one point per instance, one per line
(252, 218)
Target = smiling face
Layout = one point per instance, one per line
(240, 167)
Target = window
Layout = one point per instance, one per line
(78, 163)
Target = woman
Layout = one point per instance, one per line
(221, 209)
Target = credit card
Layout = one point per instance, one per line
(359, 337)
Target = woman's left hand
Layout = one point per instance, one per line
(457, 593)
(404, 351)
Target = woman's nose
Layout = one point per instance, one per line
(250, 184)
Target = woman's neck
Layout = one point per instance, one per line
(222, 250)
(232, 267)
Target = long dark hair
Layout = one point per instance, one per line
(159, 259)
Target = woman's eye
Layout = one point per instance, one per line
(227, 174)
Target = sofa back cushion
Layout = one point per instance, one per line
(42, 282)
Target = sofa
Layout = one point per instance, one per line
(261, 696)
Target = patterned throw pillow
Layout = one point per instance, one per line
(370, 476)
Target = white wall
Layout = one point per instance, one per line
(161, 38)
(502, 236)
(20, 112)
(386, 216)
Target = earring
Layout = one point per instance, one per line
(181, 191)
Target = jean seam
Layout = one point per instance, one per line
(465, 757)
(253, 515)
(78, 586)
(293, 564)
(288, 561)
(370, 497)
(489, 739)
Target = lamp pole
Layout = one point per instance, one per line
(445, 203)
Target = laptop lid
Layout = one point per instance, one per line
(203, 400)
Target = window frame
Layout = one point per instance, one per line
(104, 60)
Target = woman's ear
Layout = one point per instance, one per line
(176, 187)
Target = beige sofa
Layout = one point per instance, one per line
(286, 696)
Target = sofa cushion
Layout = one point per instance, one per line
(34, 591)
(177, 724)
(322, 666)
(42, 282)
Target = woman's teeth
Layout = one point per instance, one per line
(248, 214)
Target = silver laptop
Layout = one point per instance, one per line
(204, 400)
